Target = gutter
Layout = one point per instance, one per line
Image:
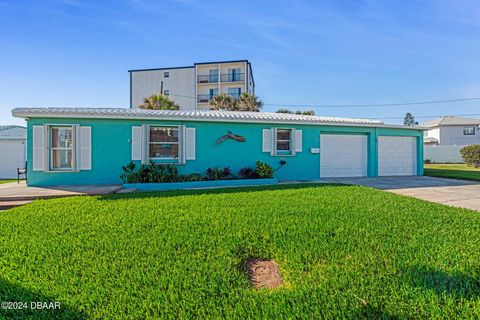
(28, 115)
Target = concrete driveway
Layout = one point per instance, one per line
(457, 193)
(15, 194)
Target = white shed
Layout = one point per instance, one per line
(13, 141)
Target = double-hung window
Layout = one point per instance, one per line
(61, 148)
(469, 131)
(283, 141)
(163, 143)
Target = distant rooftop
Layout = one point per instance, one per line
(13, 132)
(451, 121)
(193, 115)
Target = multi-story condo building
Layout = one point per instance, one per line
(192, 87)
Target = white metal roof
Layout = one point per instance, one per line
(13, 132)
(451, 121)
(193, 115)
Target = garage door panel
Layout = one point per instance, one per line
(397, 156)
(343, 155)
(11, 158)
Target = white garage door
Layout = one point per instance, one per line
(11, 157)
(397, 156)
(343, 155)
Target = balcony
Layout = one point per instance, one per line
(230, 77)
(205, 98)
(207, 78)
(233, 95)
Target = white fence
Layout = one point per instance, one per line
(442, 154)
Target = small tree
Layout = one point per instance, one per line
(249, 102)
(304, 112)
(159, 102)
(409, 120)
(222, 102)
(471, 155)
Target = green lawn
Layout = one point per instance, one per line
(344, 252)
(454, 171)
(7, 181)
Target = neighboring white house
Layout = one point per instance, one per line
(12, 150)
(451, 130)
(192, 87)
(447, 135)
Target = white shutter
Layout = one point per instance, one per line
(136, 143)
(76, 146)
(189, 144)
(267, 142)
(39, 148)
(182, 148)
(145, 142)
(85, 148)
(298, 140)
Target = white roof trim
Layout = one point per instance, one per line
(196, 115)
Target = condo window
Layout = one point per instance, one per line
(61, 148)
(234, 75)
(213, 75)
(163, 143)
(469, 131)
(166, 74)
(234, 92)
(283, 141)
(212, 93)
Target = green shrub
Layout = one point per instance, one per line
(471, 155)
(150, 173)
(193, 177)
(129, 175)
(217, 173)
(247, 173)
(263, 170)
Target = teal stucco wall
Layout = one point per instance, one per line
(111, 149)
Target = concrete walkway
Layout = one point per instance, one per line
(457, 193)
(15, 194)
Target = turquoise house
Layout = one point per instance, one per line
(71, 146)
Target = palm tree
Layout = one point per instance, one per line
(159, 102)
(222, 102)
(249, 102)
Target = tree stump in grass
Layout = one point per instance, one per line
(264, 273)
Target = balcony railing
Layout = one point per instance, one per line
(207, 78)
(205, 98)
(230, 77)
(233, 95)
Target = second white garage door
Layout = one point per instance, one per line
(343, 155)
(397, 156)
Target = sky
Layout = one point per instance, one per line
(75, 53)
